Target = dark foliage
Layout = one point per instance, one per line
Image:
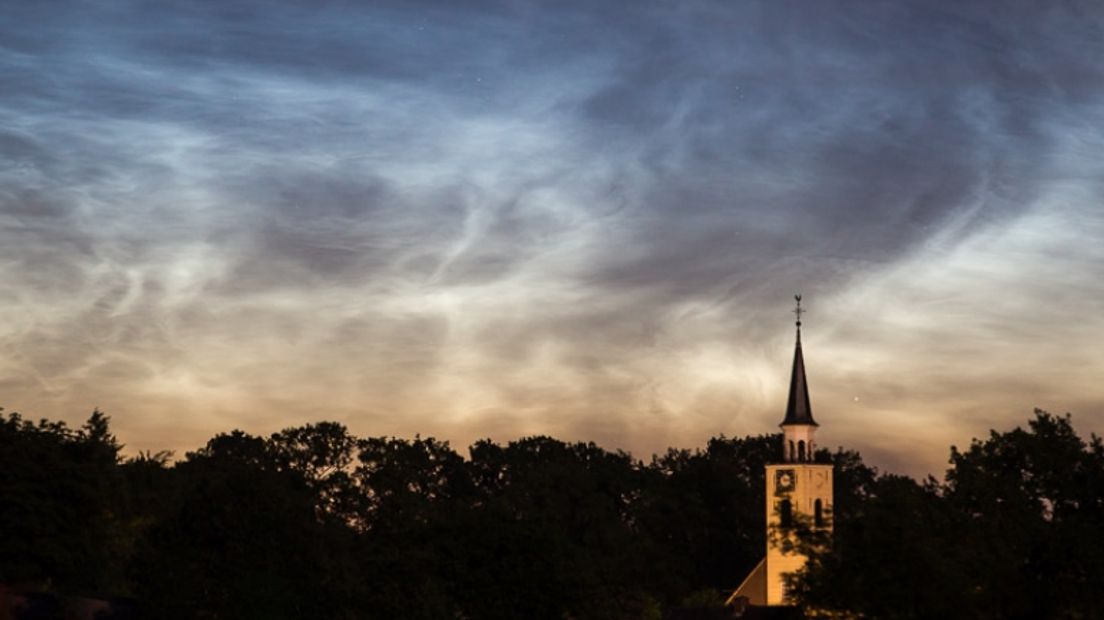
(313, 522)
(61, 514)
(1015, 531)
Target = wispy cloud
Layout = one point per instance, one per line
(496, 218)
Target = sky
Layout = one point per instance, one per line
(584, 219)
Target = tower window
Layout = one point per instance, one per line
(818, 513)
(801, 450)
(790, 454)
(785, 513)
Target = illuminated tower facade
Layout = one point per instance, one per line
(799, 491)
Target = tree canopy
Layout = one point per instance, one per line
(315, 522)
(1015, 530)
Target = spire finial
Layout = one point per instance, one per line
(798, 312)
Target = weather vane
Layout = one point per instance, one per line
(798, 311)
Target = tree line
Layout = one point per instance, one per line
(315, 522)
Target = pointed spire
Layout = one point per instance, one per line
(798, 409)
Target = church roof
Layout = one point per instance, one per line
(754, 586)
(798, 409)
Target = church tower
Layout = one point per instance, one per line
(799, 491)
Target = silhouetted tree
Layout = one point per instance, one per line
(560, 515)
(1013, 532)
(60, 502)
(314, 522)
(703, 511)
(238, 535)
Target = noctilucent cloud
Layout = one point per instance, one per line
(585, 219)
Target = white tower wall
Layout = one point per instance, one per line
(803, 485)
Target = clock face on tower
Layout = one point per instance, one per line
(820, 479)
(784, 481)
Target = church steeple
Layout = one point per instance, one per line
(798, 409)
(798, 427)
(799, 492)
